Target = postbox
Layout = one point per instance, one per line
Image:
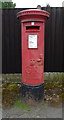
(32, 41)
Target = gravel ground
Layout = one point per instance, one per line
(43, 110)
(0, 113)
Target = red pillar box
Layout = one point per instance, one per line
(32, 30)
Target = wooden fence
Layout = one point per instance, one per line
(54, 41)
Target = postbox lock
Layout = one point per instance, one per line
(38, 60)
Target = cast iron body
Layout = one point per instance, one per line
(32, 27)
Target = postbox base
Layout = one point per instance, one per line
(33, 92)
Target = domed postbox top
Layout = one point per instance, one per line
(33, 14)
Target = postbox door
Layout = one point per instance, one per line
(33, 54)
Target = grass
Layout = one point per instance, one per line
(48, 76)
(54, 76)
(10, 93)
(11, 78)
(11, 90)
(19, 103)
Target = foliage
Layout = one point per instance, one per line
(53, 89)
(7, 4)
(54, 76)
(19, 103)
(11, 78)
(49, 77)
(10, 93)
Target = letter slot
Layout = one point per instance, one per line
(32, 28)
